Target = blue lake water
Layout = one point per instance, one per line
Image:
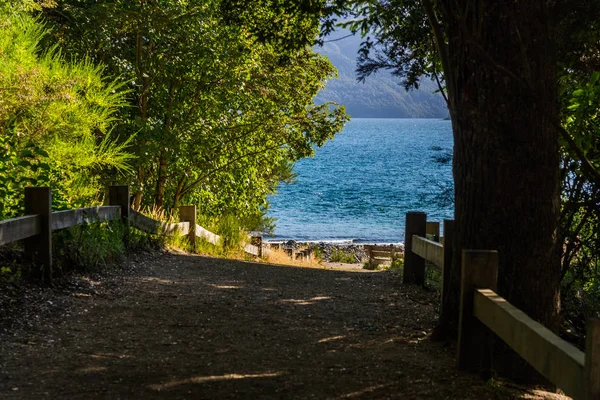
(360, 185)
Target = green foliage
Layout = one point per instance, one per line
(19, 166)
(397, 264)
(137, 241)
(368, 266)
(318, 253)
(580, 216)
(433, 277)
(11, 273)
(55, 118)
(219, 115)
(89, 247)
(229, 227)
(203, 246)
(339, 255)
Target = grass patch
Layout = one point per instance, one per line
(397, 265)
(89, 247)
(338, 255)
(433, 276)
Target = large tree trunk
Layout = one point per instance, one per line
(501, 73)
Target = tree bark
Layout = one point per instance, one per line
(161, 180)
(503, 96)
(179, 192)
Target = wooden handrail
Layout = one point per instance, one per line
(429, 250)
(149, 225)
(36, 227)
(69, 218)
(208, 235)
(19, 228)
(559, 361)
(14, 229)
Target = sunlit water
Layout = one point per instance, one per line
(360, 185)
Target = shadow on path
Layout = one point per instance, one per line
(193, 327)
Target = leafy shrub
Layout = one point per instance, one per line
(339, 255)
(89, 247)
(55, 118)
(397, 264)
(433, 277)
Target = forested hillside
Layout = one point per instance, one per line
(380, 95)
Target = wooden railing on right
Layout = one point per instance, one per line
(483, 314)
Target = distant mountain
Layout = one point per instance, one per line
(381, 96)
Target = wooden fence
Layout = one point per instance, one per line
(483, 314)
(36, 227)
(378, 254)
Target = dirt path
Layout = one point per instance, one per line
(190, 327)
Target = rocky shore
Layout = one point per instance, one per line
(331, 252)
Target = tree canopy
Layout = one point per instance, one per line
(217, 117)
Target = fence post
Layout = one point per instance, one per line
(414, 266)
(257, 241)
(38, 200)
(188, 214)
(592, 360)
(448, 253)
(433, 229)
(370, 255)
(118, 195)
(479, 270)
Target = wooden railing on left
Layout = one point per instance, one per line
(36, 227)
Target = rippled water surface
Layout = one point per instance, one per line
(360, 185)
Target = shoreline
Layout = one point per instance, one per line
(336, 242)
(345, 251)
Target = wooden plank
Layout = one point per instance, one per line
(208, 235)
(118, 195)
(149, 225)
(65, 219)
(38, 248)
(592, 360)
(479, 269)
(379, 253)
(559, 361)
(69, 218)
(447, 264)
(188, 214)
(379, 261)
(250, 249)
(396, 249)
(429, 250)
(433, 229)
(414, 266)
(19, 228)
(109, 213)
